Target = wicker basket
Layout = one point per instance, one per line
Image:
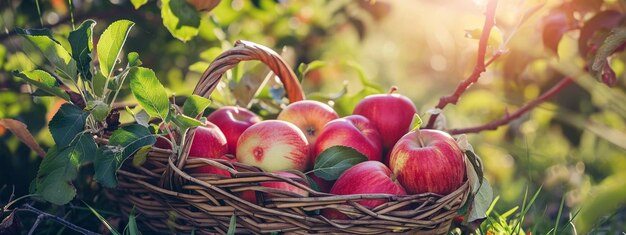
(168, 199)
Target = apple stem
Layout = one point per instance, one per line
(419, 138)
(392, 89)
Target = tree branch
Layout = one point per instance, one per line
(43, 215)
(478, 69)
(113, 12)
(510, 117)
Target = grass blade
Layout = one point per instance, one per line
(558, 216)
(104, 221)
(232, 227)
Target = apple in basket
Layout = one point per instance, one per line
(161, 142)
(369, 177)
(232, 121)
(310, 116)
(250, 195)
(287, 186)
(216, 170)
(428, 161)
(353, 131)
(323, 185)
(208, 142)
(273, 145)
(390, 113)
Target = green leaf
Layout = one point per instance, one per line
(66, 124)
(303, 68)
(476, 164)
(59, 168)
(195, 105)
(52, 50)
(142, 118)
(98, 109)
(481, 203)
(132, 228)
(184, 122)
(363, 77)
(110, 44)
(82, 43)
(232, 226)
(43, 81)
(123, 143)
(495, 36)
(181, 19)
(141, 155)
(55, 175)
(133, 59)
(99, 81)
(312, 183)
(345, 104)
(416, 123)
(138, 3)
(332, 162)
(85, 146)
(149, 92)
(616, 38)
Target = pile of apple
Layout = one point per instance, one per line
(400, 161)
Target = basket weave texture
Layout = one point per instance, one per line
(169, 199)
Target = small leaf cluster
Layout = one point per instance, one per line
(90, 83)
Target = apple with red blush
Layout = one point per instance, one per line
(369, 177)
(233, 121)
(273, 145)
(310, 116)
(428, 161)
(251, 195)
(390, 113)
(353, 131)
(209, 142)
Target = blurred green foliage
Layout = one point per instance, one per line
(573, 146)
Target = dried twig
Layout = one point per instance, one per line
(43, 216)
(480, 63)
(510, 117)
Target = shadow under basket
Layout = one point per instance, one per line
(169, 199)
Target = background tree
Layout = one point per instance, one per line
(563, 57)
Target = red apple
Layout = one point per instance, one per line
(323, 185)
(232, 121)
(273, 145)
(161, 142)
(248, 195)
(428, 161)
(286, 186)
(369, 177)
(353, 131)
(390, 113)
(208, 142)
(251, 195)
(310, 116)
(208, 169)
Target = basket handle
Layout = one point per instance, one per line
(245, 51)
